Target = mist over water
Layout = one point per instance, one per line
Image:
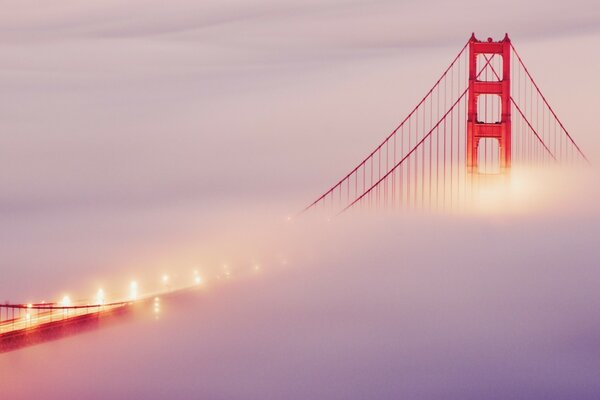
(138, 143)
(488, 304)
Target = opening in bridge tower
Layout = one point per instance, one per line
(498, 87)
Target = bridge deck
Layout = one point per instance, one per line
(23, 325)
(53, 324)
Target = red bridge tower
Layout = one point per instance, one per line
(478, 129)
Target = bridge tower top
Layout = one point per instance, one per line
(481, 54)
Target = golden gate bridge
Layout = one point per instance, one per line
(483, 116)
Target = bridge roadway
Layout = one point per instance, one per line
(37, 315)
(23, 325)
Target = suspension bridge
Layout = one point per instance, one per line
(483, 116)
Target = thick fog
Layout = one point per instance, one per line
(139, 140)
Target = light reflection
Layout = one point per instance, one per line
(156, 306)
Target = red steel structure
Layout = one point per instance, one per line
(483, 115)
(498, 86)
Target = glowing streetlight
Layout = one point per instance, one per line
(65, 302)
(133, 290)
(100, 297)
(197, 278)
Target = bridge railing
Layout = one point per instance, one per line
(16, 317)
